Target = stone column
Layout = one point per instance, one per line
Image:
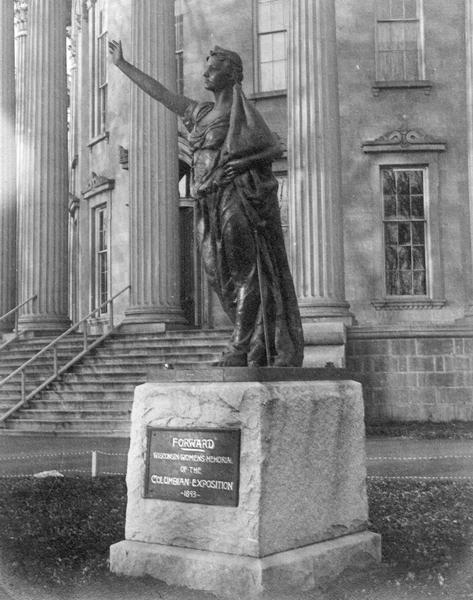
(43, 189)
(316, 230)
(153, 167)
(7, 164)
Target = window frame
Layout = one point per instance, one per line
(257, 34)
(427, 253)
(98, 70)
(435, 296)
(179, 27)
(419, 81)
(100, 204)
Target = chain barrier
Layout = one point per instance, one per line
(95, 470)
(63, 465)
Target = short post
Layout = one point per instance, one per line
(94, 463)
(23, 386)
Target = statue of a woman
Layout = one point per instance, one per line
(239, 224)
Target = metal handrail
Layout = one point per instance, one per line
(58, 371)
(15, 311)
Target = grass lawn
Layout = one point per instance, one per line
(55, 534)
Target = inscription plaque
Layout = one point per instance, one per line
(193, 465)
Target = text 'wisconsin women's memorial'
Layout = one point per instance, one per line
(246, 479)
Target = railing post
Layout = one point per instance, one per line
(23, 386)
(84, 333)
(111, 315)
(55, 359)
(94, 463)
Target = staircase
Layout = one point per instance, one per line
(95, 397)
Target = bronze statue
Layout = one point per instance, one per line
(239, 224)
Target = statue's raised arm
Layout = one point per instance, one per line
(175, 102)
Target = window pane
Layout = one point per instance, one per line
(405, 283)
(391, 233)
(266, 75)
(279, 75)
(266, 48)
(397, 9)
(279, 46)
(402, 182)
(412, 66)
(264, 16)
(418, 236)
(404, 257)
(391, 258)
(179, 22)
(404, 234)
(418, 257)
(383, 11)
(390, 206)
(420, 286)
(410, 9)
(277, 15)
(404, 206)
(384, 36)
(392, 283)
(389, 183)
(417, 206)
(411, 29)
(416, 182)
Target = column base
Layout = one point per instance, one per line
(324, 344)
(243, 577)
(153, 320)
(325, 309)
(37, 325)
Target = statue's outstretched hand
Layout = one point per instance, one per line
(116, 51)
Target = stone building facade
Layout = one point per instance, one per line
(373, 100)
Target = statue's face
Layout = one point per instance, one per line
(217, 75)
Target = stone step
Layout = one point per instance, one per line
(66, 414)
(145, 359)
(93, 386)
(91, 426)
(121, 404)
(111, 374)
(178, 334)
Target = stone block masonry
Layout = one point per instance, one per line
(413, 375)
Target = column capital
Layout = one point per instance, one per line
(21, 16)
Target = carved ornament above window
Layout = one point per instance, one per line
(98, 184)
(404, 140)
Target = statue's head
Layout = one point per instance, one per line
(227, 62)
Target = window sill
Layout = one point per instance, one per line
(424, 84)
(270, 94)
(408, 303)
(99, 138)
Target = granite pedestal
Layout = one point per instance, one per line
(302, 514)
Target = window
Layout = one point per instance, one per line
(101, 257)
(179, 25)
(404, 231)
(272, 19)
(399, 40)
(99, 59)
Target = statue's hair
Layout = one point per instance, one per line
(233, 58)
